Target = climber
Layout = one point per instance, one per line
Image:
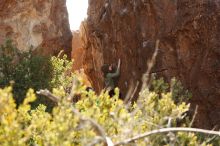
(110, 76)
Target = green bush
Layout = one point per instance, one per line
(27, 70)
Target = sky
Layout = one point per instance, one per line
(77, 12)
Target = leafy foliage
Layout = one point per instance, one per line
(63, 126)
(61, 74)
(27, 70)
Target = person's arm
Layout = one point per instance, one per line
(117, 73)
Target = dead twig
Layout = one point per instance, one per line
(194, 116)
(146, 76)
(131, 92)
(98, 128)
(73, 90)
(48, 94)
(167, 130)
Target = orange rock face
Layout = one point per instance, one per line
(42, 24)
(78, 52)
(189, 32)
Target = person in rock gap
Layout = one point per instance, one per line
(111, 76)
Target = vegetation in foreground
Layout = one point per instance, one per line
(92, 120)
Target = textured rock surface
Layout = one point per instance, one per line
(189, 31)
(78, 52)
(38, 23)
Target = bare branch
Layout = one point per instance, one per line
(166, 130)
(146, 77)
(135, 90)
(98, 129)
(73, 90)
(95, 141)
(48, 94)
(131, 92)
(56, 99)
(60, 53)
(194, 116)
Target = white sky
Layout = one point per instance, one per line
(77, 12)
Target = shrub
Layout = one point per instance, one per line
(28, 70)
(79, 123)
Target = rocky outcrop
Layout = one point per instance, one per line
(78, 52)
(42, 24)
(189, 32)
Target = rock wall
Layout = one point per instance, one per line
(189, 32)
(78, 52)
(42, 24)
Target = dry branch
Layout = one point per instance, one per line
(98, 129)
(194, 116)
(146, 77)
(48, 94)
(131, 92)
(167, 130)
